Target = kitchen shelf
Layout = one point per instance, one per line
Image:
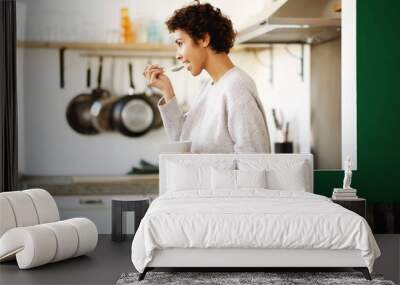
(92, 185)
(134, 47)
(140, 178)
(98, 49)
(96, 46)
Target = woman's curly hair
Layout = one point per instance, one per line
(198, 19)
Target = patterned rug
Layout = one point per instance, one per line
(244, 278)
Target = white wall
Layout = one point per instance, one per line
(92, 20)
(349, 82)
(50, 147)
(288, 91)
(326, 128)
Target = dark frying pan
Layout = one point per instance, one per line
(99, 91)
(78, 110)
(101, 112)
(155, 97)
(133, 114)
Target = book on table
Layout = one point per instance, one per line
(344, 194)
(344, 198)
(341, 190)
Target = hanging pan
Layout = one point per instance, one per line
(155, 97)
(101, 111)
(133, 114)
(78, 110)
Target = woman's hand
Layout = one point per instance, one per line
(156, 78)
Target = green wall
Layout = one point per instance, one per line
(378, 106)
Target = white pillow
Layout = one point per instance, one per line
(282, 174)
(293, 179)
(193, 174)
(237, 179)
(181, 177)
(251, 178)
(223, 179)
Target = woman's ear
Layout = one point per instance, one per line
(205, 41)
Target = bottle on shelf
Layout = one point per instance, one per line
(127, 28)
(153, 32)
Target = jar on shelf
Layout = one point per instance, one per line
(153, 32)
(127, 28)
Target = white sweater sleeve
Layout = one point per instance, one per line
(172, 118)
(246, 122)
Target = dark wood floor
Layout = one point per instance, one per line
(111, 259)
(102, 266)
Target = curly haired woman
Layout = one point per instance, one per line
(227, 116)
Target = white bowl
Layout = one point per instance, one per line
(176, 147)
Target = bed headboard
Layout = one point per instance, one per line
(281, 164)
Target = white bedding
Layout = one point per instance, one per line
(251, 218)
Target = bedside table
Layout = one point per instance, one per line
(358, 205)
(119, 206)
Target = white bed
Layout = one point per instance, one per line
(200, 221)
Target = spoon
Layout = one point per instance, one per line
(176, 68)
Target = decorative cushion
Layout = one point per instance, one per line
(282, 174)
(251, 178)
(293, 179)
(223, 179)
(237, 179)
(184, 175)
(183, 178)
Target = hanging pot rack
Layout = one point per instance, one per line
(116, 50)
(141, 50)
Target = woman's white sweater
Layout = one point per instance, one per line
(226, 117)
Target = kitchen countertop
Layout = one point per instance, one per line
(92, 185)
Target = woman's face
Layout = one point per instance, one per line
(192, 54)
